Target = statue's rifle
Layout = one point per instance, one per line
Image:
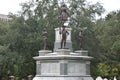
(60, 31)
(60, 26)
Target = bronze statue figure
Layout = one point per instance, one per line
(64, 37)
(63, 14)
(44, 34)
(63, 17)
(80, 38)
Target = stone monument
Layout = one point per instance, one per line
(63, 63)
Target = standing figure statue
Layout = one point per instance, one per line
(63, 14)
(64, 37)
(44, 34)
(81, 39)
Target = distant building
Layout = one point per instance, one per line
(5, 18)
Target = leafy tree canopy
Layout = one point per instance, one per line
(22, 39)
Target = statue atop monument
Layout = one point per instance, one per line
(81, 39)
(44, 34)
(63, 14)
(64, 33)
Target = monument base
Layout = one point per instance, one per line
(63, 65)
(62, 78)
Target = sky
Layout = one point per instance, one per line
(13, 6)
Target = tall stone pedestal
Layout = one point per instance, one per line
(63, 65)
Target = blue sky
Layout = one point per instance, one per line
(13, 6)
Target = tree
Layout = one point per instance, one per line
(24, 37)
(3, 46)
(103, 69)
(108, 34)
(107, 31)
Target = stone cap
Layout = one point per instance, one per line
(63, 51)
(57, 29)
(44, 52)
(63, 57)
(81, 52)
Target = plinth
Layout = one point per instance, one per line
(63, 65)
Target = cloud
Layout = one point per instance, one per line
(7, 6)
(111, 5)
(13, 6)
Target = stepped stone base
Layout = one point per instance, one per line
(62, 65)
(62, 78)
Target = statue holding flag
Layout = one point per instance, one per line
(63, 14)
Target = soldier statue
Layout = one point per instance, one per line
(64, 33)
(80, 38)
(63, 17)
(63, 14)
(44, 34)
